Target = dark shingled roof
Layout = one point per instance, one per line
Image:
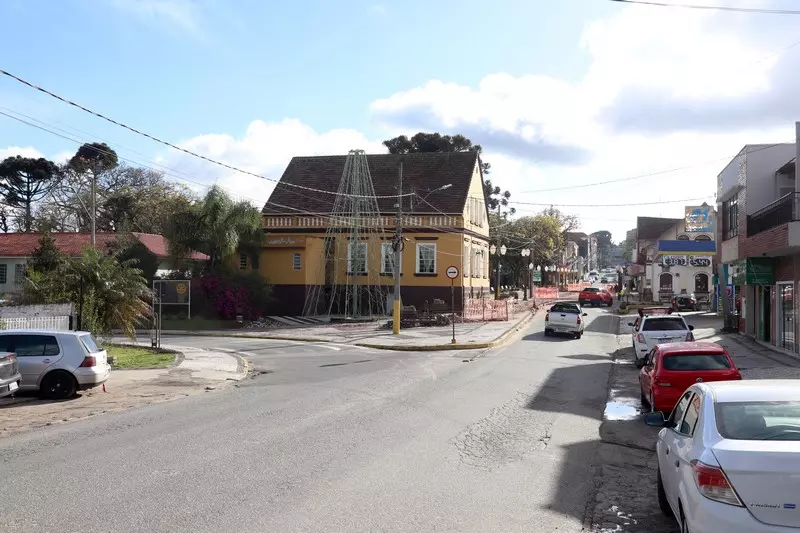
(421, 172)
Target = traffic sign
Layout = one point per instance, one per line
(452, 272)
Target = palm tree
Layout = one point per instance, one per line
(217, 226)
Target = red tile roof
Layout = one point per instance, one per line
(72, 244)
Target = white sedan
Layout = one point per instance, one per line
(729, 457)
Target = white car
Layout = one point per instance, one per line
(564, 317)
(650, 330)
(729, 457)
(57, 363)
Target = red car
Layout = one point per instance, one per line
(670, 369)
(595, 296)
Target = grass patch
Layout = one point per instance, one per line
(128, 357)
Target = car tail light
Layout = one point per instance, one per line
(692, 302)
(547, 317)
(579, 319)
(640, 338)
(662, 383)
(689, 337)
(89, 361)
(714, 485)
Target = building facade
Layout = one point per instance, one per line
(444, 223)
(759, 232)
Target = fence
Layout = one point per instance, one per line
(484, 309)
(546, 293)
(53, 323)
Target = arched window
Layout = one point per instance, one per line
(701, 282)
(665, 282)
(683, 237)
(702, 238)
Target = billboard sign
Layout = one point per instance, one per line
(699, 219)
(686, 260)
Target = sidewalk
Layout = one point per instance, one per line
(470, 335)
(197, 371)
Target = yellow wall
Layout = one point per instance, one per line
(475, 207)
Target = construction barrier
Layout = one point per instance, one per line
(485, 310)
(577, 287)
(551, 293)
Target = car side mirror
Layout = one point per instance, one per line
(655, 419)
(691, 328)
(585, 314)
(630, 324)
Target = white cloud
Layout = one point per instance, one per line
(264, 149)
(178, 13)
(24, 151)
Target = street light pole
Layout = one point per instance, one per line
(398, 252)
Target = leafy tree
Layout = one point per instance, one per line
(217, 226)
(604, 247)
(108, 293)
(127, 247)
(434, 142)
(94, 158)
(46, 257)
(25, 180)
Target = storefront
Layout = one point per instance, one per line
(786, 323)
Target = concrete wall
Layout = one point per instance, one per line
(762, 163)
(10, 263)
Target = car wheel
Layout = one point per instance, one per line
(58, 385)
(547, 333)
(639, 363)
(663, 504)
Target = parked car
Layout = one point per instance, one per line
(595, 296)
(564, 317)
(9, 374)
(681, 302)
(729, 457)
(670, 369)
(657, 326)
(57, 363)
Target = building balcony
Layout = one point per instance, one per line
(781, 211)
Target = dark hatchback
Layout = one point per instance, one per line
(9, 374)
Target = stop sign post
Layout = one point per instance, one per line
(452, 273)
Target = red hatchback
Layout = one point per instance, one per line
(670, 369)
(595, 296)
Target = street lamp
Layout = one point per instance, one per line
(525, 252)
(493, 250)
(422, 198)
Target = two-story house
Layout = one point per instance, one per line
(675, 255)
(445, 223)
(759, 232)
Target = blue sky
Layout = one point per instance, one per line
(253, 83)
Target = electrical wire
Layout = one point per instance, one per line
(176, 147)
(713, 8)
(556, 204)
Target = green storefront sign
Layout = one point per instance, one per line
(753, 271)
(537, 276)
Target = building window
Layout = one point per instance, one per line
(19, 271)
(357, 258)
(297, 262)
(702, 238)
(3, 274)
(387, 258)
(477, 211)
(465, 263)
(426, 258)
(485, 263)
(683, 237)
(786, 338)
(701, 282)
(243, 262)
(665, 282)
(730, 218)
(476, 263)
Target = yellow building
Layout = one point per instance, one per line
(445, 223)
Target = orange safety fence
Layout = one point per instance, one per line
(543, 292)
(577, 287)
(484, 309)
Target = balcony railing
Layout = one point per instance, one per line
(781, 211)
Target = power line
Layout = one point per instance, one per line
(651, 174)
(556, 204)
(176, 147)
(713, 8)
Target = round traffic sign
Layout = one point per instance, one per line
(452, 272)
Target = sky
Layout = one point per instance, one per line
(562, 95)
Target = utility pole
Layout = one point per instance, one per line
(497, 282)
(398, 252)
(94, 209)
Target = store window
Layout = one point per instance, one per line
(702, 238)
(786, 337)
(683, 237)
(730, 218)
(701, 282)
(665, 282)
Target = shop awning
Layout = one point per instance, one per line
(687, 247)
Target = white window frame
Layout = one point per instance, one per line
(387, 252)
(19, 272)
(297, 261)
(350, 249)
(466, 260)
(422, 246)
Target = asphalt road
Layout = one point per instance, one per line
(335, 440)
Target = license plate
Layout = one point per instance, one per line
(13, 386)
(560, 330)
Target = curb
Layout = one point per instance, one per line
(244, 336)
(444, 347)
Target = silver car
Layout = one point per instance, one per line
(57, 363)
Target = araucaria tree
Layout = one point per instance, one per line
(24, 181)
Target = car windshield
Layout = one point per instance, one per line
(90, 343)
(664, 324)
(564, 308)
(697, 362)
(759, 420)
